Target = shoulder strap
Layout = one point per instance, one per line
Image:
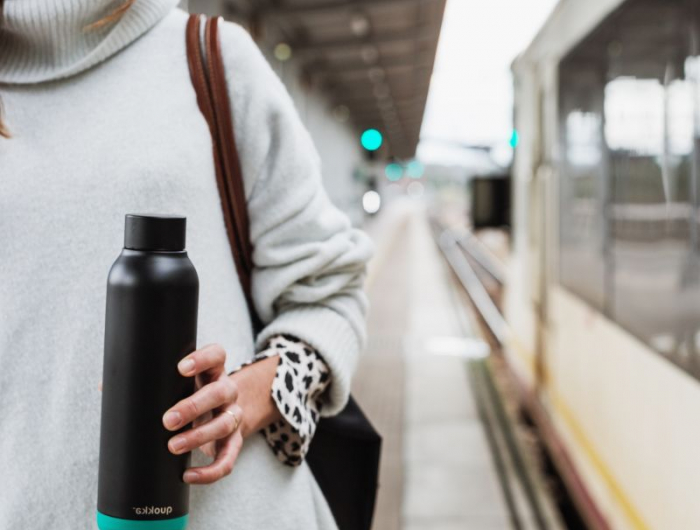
(209, 80)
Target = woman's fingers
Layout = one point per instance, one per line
(222, 432)
(209, 358)
(223, 425)
(207, 398)
(221, 466)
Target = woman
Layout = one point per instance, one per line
(101, 120)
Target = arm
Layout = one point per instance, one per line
(309, 269)
(309, 260)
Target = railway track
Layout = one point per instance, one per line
(527, 491)
(480, 275)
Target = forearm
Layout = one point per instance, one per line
(254, 383)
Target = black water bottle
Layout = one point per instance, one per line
(151, 323)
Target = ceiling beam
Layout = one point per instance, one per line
(355, 95)
(423, 59)
(402, 110)
(238, 8)
(325, 7)
(369, 105)
(402, 132)
(387, 57)
(359, 90)
(403, 124)
(378, 120)
(423, 33)
(403, 120)
(363, 74)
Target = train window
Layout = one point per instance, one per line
(583, 147)
(581, 227)
(634, 116)
(629, 194)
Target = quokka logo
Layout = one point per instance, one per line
(153, 510)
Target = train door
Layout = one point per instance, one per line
(540, 206)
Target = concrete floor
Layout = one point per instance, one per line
(437, 471)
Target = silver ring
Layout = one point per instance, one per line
(234, 418)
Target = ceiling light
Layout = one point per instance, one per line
(382, 91)
(369, 54)
(371, 201)
(393, 171)
(376, 74)
(359, 24)
(283, 52)
(415, 169)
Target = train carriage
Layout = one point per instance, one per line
(603, 291)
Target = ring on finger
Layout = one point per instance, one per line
(235, 418)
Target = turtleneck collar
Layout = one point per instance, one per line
(43, 40)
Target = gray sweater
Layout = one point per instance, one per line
(105, 122)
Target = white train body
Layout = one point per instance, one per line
(602, 295)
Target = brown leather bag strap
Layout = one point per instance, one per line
(232, 164)
(209, 80)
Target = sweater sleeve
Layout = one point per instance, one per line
(309, 262)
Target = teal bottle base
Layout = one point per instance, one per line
(105, 522)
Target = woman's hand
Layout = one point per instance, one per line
(216, 410)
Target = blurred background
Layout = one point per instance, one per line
(528, 170)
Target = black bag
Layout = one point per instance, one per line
(345, 451)
(344, 458)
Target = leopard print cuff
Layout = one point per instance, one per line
(300, 381)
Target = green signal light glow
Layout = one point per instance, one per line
(415, 169)
(371, 139)
(514, 139)
(393, 171)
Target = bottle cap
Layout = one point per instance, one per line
(154, 232)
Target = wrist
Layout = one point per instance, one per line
(254, 395)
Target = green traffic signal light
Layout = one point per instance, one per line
(393, 171)
(514, 139)
(415, 169)
(371, 139)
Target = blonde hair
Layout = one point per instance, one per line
(111, 18)
(4, 131)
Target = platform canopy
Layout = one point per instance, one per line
(374, 58)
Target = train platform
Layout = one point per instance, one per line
(528, 171)
(437, 468)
